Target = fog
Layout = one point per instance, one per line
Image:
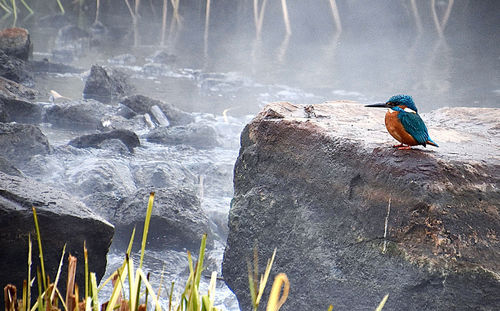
(443, 53)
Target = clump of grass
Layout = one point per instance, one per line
(140, 289)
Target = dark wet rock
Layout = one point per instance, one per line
(141, 104)
(162, 57)
(16, 42)
(177, 221)
(16, 103)
(9, 169)
(15, 69)
(22, 141)
(62, 219)
(48, 66)
(128, 138)
(354, 219)
(201, 136)
(85, 114)
(13, 90)
(106, 84)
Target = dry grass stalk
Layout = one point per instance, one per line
(258, 14)
(10, 297)
(164, 21)
(70, 285)
(336, 16)
(285, 17)
(441, 25)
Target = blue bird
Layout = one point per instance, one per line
(403, 122)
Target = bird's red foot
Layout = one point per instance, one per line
(404, 148)
(398, 146)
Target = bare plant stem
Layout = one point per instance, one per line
(285, 17)
(336, 16)
(418, 21)
(164, 21)
(385, 226)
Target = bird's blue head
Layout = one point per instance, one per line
(402, 100)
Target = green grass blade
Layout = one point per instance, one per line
(170, 297)
(201, 256)
(27, 6)
(150, 289)
(116, 290)
(95, 298)
(131, 242)
(62, 12)
(330, 308)
(146, 226)
(40, 298)
(39, 238)
(382, 303)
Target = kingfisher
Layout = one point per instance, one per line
(404, 123)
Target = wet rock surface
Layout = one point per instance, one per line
(15, 69)
(20, 142)
(128, 138)
(16, 42)
(80, 115)
(177, 221)
(106, 84)
(141, 104)
(59, 215)
(198, 135)
(354, 219)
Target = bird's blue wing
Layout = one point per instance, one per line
(415, 126)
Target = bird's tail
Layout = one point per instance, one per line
(431, 142)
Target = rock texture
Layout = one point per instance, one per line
(354, 219)
(106, 84)
(128, 138)
(142, 104)
(20, 142)
(16, 103)
(62, 219)
(16, 42)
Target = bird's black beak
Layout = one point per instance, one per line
(379, 105)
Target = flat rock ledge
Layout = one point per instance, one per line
(354, 219)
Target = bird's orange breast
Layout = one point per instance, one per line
(396, 129)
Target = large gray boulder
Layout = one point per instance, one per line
(62, 219)
(354, 219)
(20, 142)
(16, 42)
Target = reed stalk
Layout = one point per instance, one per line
(336, 16)
(285, 17)
(259, 16)
(97, 7)
(40, 251)
(382, 303)
(164, 22)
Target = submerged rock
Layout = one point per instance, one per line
(85, 114)
(62, 219)
(354, 219)
(177, 221)
(106, 84)
(16, 103)
(128, 138)
(142, 104)
(201, 136)
(15, 69)
(16, 42)
(20, 142)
